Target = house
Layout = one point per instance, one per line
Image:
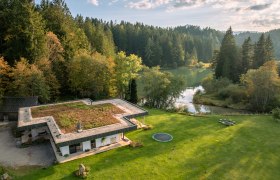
(82, 127)
(9, 106)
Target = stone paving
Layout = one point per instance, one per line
(12, 156)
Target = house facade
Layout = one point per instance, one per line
(89, 141)
(9, 106)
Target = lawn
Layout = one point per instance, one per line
(201, 149)
(69, 114)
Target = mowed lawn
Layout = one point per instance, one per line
(201, 149)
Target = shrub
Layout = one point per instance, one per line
(276, 114)
(16, 133)
(235, 92)
(82, 171)
(135, 144)
(213, 85)
(147, 127)
(2, 170)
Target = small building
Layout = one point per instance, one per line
(9, 106)
(82, 127)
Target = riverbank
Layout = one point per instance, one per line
(213, 100)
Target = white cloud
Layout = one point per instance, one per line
(147, 4)
(93, 2)
(242, 14)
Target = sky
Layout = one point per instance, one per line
(242, 15)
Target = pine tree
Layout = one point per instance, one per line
(22, 32)
(247, 55)
(228, 64)
(133, 92)
(268, 49)
(259, 52)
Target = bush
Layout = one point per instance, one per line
(213, 85)
(147, 127)
(16, 133)
(82, 171)
(2, 170)
(276, 114)
(135, 144)
(233, 91)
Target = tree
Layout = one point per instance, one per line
(55, 48)
(247, 55)
(5, 71)
(126, 69)
(263, 86)
(228, 64)
(22, 32)
(133, 92)
(91, 75)
(28, 80)
(276, 114)
(268, 49)
(45, 66)
(160, 88)
(59, 21)
(192, 59)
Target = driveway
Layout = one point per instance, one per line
(36, 155)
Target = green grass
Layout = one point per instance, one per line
(201, 149)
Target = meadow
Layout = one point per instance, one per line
(202, 148)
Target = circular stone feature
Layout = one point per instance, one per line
(162, 137)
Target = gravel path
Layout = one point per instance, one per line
(10, 155)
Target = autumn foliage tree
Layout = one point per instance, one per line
(4, 76)
(263, 86)
(29, 80)
(91, 75)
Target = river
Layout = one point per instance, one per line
(193, 78)
(186, 100)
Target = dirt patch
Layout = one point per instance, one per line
(68, 115)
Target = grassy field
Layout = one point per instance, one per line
(201, 149)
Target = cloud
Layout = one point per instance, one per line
(113, 2)
(260, 7)
(244, 14)
(147, 4)
(93, 2)
(189, 3)
(267, 22)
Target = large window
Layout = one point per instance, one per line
(75, 148)
(93, 144)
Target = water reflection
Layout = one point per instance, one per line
(186, 100)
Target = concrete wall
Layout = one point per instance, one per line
(64, 150)
(35, 132)
(86, 145)
(11, 116)
(107, 140)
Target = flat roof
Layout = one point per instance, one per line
(25, 121)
